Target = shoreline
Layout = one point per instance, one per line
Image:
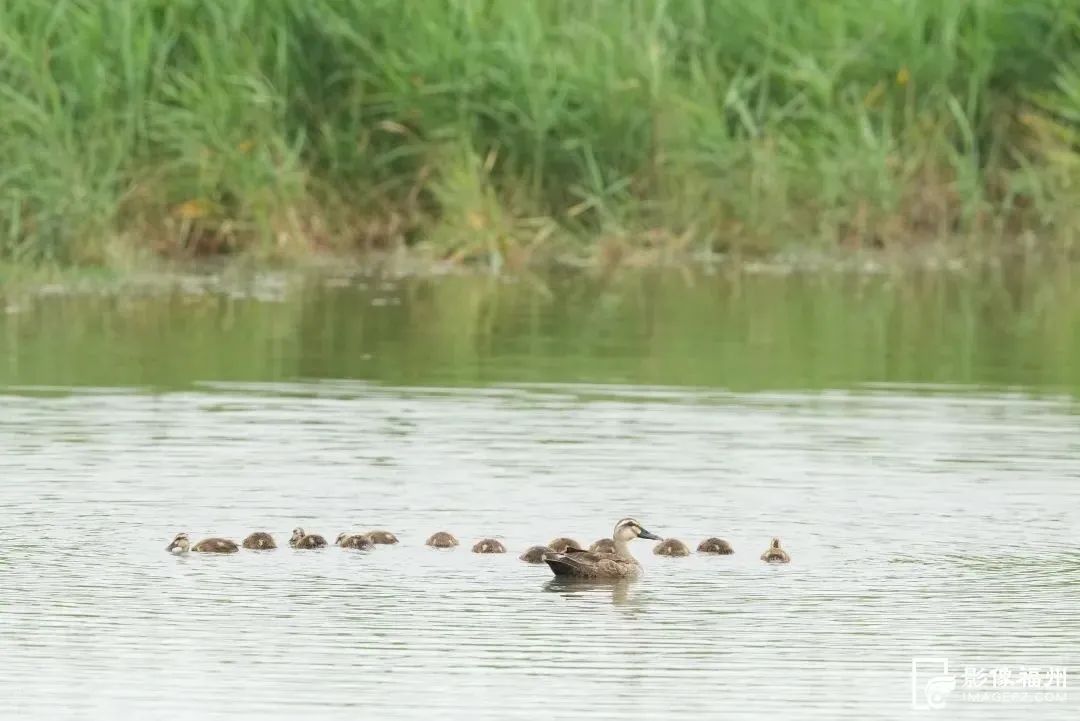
(225, 272)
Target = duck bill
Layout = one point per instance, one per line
(649, 535)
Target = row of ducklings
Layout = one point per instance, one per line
(667, 547)
(262, 541)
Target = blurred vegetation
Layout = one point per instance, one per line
(509, 131)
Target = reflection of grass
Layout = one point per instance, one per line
(742, 332)
(504, 131)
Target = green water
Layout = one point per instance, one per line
(921, 525)
(744, 331)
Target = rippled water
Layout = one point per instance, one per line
(921, 522)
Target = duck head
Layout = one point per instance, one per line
(775, 544)
(180, 544)
(341, 537)
(297, 534)
(628, 529)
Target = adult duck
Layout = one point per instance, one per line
(620, 563)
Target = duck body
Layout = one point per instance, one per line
(715, 545)
(357, 541)
(576, 563)
(563, 544)
(489, 545)
(775, 554)
(382, 537)
(534, 554)
(182, 544)
(259, 541)
(215, 545)
(442, 539)
(604, 545)
(302, 540)
(671, 547)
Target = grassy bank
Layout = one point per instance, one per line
(509, 130)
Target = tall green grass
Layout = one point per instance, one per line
(503, 128)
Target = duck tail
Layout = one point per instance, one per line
(561, 565)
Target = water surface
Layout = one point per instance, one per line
(775, 330)
(923, 520)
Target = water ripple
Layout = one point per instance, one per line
(920, 525)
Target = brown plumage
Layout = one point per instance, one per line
(603, 545)
(671, 547)
(775, 554)
(358, 541)
(259, 541)
(715, 545)
(534, 554)
(215, 545)
(382, 537)
(442, 539)
(588, 564)
(303, 540)
(563, 544)
(488, 545)
(181, 544)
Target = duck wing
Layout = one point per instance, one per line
(564, 565)
(578, 562)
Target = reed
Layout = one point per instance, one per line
(508, 130)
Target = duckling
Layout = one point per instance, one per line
(563, 544)
(488, 545)
(181, 544)
(534, 554)
(300, 539)
(382, 537)
(586, 564)
(775, 554)
(715, 545)
(671, 547)
(359, 541)
(442, 539)
(259, 541)
(604, 545)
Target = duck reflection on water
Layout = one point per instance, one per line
(585, 588)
